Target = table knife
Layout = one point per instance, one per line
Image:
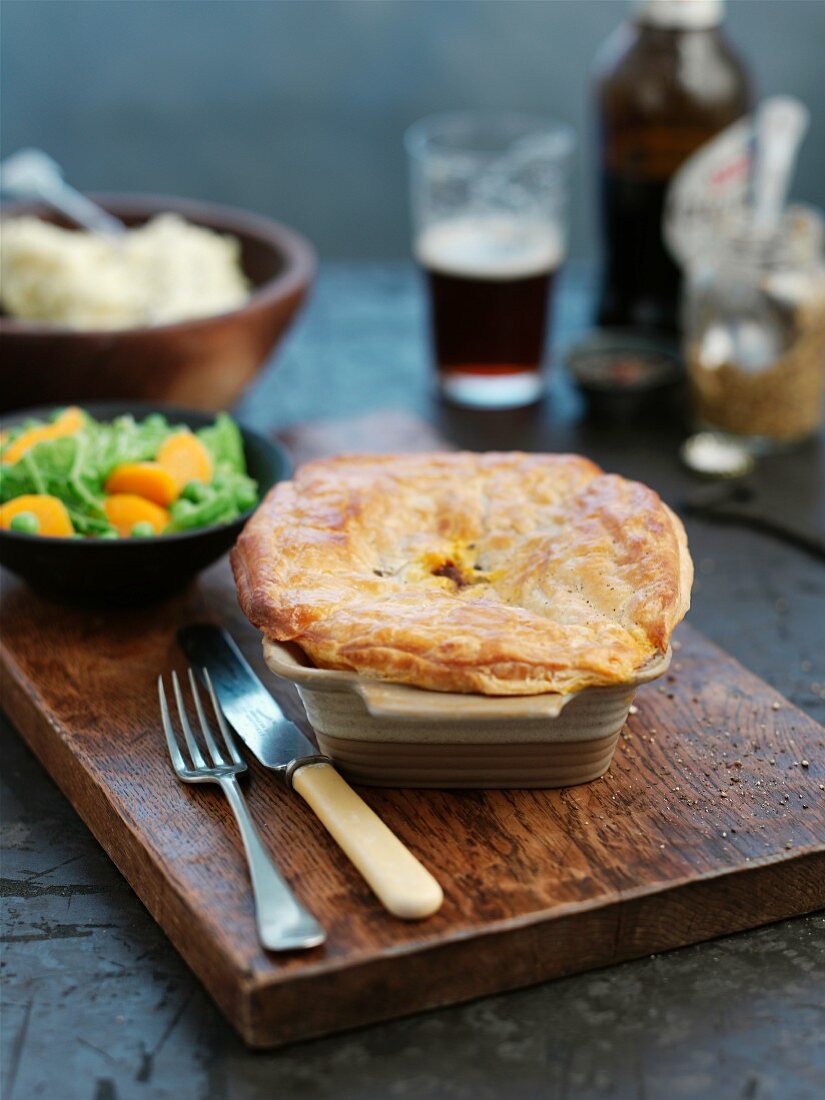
(402, 884)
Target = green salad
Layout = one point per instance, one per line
(76, 476)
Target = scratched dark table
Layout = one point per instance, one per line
(98, 1006)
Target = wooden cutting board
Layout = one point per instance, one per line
(708, 822)
(711, 820)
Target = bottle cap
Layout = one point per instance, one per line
(680, 14)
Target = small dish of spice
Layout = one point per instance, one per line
(623, 373)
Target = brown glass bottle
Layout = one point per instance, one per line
(666, 84)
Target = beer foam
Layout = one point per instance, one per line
(492, 247)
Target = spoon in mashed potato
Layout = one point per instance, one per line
(33, 174)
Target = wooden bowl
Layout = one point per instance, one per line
(392, 735)
(124, 572)
(204, 363)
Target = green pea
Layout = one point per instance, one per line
(25, 522)
(195, 491)
(246, 498)
(111, 533)
(143, 530)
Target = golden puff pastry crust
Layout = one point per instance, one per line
(504, 574)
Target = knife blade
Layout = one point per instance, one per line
(403, 885)
(251, 710)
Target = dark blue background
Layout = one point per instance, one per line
(296, 109)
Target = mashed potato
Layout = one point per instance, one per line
(167, 270)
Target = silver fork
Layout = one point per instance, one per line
(283, 924)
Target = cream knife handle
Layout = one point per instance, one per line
(403, 885)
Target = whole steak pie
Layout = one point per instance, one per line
(505, 574)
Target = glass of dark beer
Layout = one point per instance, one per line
(489, 219)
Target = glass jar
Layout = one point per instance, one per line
(755, 332)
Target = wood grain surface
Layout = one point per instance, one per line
(710, 820)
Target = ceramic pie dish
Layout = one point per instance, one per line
(461, 619)
(393, 735)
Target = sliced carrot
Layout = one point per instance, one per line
(26, 441)
(186, 459)
(144, 479)
(49, 511)
(124, 510)
(71, 420)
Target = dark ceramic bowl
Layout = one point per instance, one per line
(133, 571)
(204, 363)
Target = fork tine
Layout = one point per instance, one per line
(228, 739)
(197, 758)
(214, 751)
(178, 763)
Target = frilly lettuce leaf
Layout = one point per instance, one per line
(75, 468)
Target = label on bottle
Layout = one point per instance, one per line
(650, 152)
(680, 14)
(708, 186)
